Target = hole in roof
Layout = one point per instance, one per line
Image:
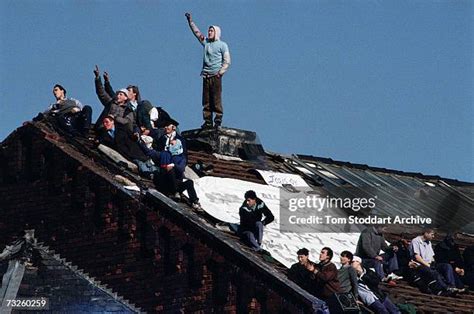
(303, 169)
(328, 174)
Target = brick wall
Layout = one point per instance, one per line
(139, 251)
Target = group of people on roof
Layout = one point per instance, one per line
(137, 130)
(361, 274)
(141, 132)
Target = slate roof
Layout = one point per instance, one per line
(68, 289)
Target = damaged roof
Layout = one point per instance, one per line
(318, 172)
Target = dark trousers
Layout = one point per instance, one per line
(212, 99)
(426, 273)
(84, 119)
(384, 307)
(167, 183)
(253, 237)
(77, 123)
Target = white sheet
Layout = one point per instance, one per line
(222, 198)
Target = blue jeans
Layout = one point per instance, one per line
(449, 275)
(253, 237)
(390, 262)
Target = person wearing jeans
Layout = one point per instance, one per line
(251, 226)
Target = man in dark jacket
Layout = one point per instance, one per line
(119, 138)
(371, 242)
(468, 256)
(299, 272)
(251, 223)
(447, 254)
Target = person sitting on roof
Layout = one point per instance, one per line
(325, 275)
(403, 254)
(149, 119)
(468, 256)
(117, 105)
(251, 223)
(371, 242)
(171, 155)
(68, 113)
(347, 275)
(172, 148)
(423, 255)
(119, 138)
(300, 273)
(447, 253)
(368, 288)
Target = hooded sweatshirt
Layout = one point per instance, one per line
(216, 58)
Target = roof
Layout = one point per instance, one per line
(318, 172)
(65, 288)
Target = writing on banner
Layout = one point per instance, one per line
(280, 179)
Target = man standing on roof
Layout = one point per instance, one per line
(251, 223)
(216, 61)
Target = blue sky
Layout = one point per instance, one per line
(383, 83)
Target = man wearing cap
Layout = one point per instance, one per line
(171, 179)
(69, 113)
(369, 292)
(117, 106)
(149, 119)
(216, 61)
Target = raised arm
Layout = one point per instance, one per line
(194, 28)
(108, 87)
(104, 98)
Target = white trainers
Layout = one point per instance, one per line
(197, 206)
(176, 197)
(393, 276)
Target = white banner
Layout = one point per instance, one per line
(222, 198)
